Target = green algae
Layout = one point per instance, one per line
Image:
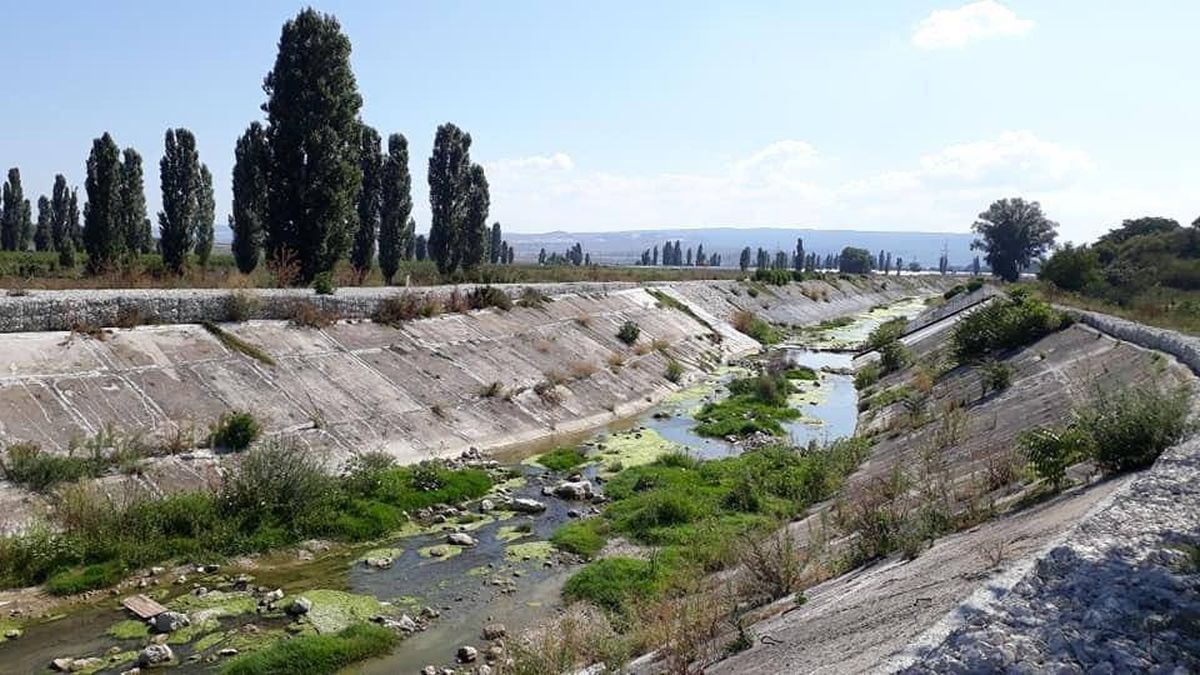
(508, 533)
(334, 610)
(129, 629)
(216, 604)
(635, 448)
(208, 641)
(532, 550)
(479, 571)
(393, 553)
(5, 626)
(440, 551)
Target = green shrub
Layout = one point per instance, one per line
(315, 653)
(956, 290)
(994, 376)
(1004, 323)
(974, 285)
(235, 432)
(888, 331)
(893, 356)
(867, 376)
(748, 323)
(755, 404)
(1051, 452)
(1130, 426)
(26, 464)
(482, 297)
(674, 372)
(773, 277)
(323, 284)
(72, 581)
(629, 332)
(532, 298)
(562, 459)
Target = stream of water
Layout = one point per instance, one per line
(510, 576)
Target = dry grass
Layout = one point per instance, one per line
(643, 348)
(306, 314)
(616, 361)
(581, 370)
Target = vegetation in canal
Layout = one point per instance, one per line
(1005, 323)
(800, 373)
(562, 459)
(276, 495)
(754, 404)
(235, 431)
(315, 653)
(695, 512)
(750, 324)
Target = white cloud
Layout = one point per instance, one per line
(956, 28)
(788, 183)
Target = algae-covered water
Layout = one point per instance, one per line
(512, 575)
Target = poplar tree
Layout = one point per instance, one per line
(73, 226)
(102, 217)
(410, 239)
(370, 162)
(422, 248)
(60, 198)
(179, 171)
(42, 237)
(395, 208)
(744, 260)
(135, 225)
(15, 212)
(474, 225)
(314, 136)
(449, 185)
(206, 208)
(497, 251)
(249, 216)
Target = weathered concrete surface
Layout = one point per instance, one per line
(852, 623)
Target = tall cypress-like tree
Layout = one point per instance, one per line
(60, 198)
(12, 219)
(409, 237)
(497, 249)
(314, 177)
(449, 185)
(26, 237)
(370, 199)
(249, 217)
(74, 228)
(102, 218)
(135, 225)
(421, 247)
(474, 224)
(206, 214)
(179, 170)
(395, 207)
(43, 238)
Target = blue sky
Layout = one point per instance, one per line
(627, 115)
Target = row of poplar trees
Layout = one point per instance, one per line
(311, 187)
(315, 183)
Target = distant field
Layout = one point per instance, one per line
(33, 270)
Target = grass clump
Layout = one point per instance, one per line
(615, 584)
(629, 332)
(755, 404)
(750, 324)
(867, 376)
(237, 344)
(674, 372)
(235, 431)
(532, 298)
(1005, 323)
(582, 537)
(562, 459)
(26, 464)
(315, 653)
(800, 373)
(482, 297)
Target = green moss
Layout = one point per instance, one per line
(582, 537)
(216, 603)
(129, 629)
(315, 653)
(615, 583)
(7, 625)
(333, 611)
(531, 550)
(208, 641)
(562, 459)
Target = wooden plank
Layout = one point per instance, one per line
(143, 607)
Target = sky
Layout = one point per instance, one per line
(874, 115)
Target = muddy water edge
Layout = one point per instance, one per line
(512, 575)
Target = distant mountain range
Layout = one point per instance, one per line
(626, 247)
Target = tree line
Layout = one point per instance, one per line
(312, 186)
(673, 255)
